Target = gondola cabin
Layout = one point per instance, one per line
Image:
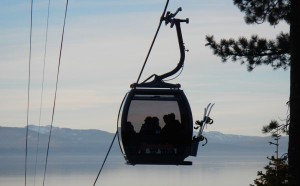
(156, 123)
(156, 126)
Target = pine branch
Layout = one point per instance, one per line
(258, 12)
(255, 51)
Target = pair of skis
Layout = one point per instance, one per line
(201, 124)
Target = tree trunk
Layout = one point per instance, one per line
(294, 141)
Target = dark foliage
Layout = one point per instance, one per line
(274, 125)
(273, 12)
(260, 11)
(254, 51)
(276, 172)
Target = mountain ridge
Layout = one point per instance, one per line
(94, 141)
(84, 150)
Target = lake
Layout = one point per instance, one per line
(213, 170)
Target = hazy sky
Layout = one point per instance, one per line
(104, 48)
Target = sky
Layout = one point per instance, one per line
(105, 45)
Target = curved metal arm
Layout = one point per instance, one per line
(176, 22)
(157, 81)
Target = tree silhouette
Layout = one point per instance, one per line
(255, 51)
(282, 52)
(276, 172)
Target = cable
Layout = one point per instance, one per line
(59, 61)
(112, 140)
(42, 92)
(105, 158)
(28, 90)
(161, 20)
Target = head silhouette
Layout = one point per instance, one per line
(166, 118)
(171, 116)
(148, 119)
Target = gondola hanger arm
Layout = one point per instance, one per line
(158, 79)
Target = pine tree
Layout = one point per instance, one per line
(276, 172)
(282, 52)
(257, 51)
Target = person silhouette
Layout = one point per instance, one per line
(172, 129)
(129, 134)
(155, 123)
(147, 126)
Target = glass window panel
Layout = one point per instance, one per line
(139, 110)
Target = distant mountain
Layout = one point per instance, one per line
(84, 150)
(230, 144)
(84, 142)
(63, 140)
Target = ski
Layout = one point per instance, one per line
(206, 120)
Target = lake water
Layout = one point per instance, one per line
(205, 171)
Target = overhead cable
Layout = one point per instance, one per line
(42, 91)
(150, 49)
(54, 102)
(28, 90)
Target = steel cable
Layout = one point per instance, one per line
(42, 92)
(28, 91)
(153, 41)
(54, 102)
